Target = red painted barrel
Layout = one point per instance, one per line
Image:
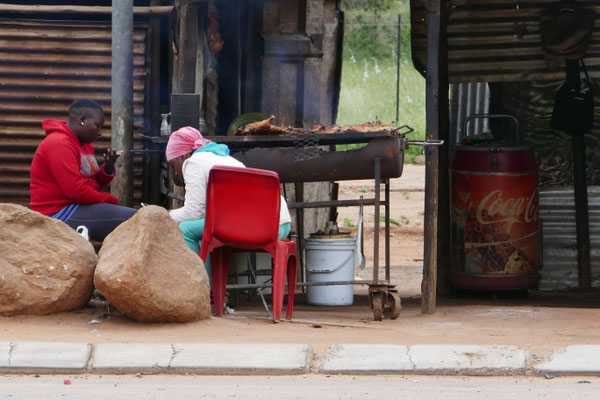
(495, 232)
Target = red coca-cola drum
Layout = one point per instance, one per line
(494, 193)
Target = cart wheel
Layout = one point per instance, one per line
(392, 306)
(377, 303)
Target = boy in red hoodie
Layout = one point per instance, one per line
(66, 179)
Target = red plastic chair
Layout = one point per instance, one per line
(242, 214)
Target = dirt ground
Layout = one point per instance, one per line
(538, 322)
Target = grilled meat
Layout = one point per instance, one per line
(266, 127)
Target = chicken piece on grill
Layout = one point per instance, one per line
(366, 127)
(264, 124)
(369, 127)
(264, 127)
(320, 128)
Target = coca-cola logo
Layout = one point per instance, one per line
(494, 208)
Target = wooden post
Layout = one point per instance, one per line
(122, 100)
(436, 226)
(295, 72)
(443, 133)
(580, 188)
(184, 63)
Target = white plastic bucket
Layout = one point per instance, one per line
(330, 260)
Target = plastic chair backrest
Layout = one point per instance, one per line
(242, 206)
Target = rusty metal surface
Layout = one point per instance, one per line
(291, 140)
(330, 166)
(497, 41)
(44, 66)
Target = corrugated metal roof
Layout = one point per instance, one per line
(497, 40)
(559, 257)
(44, 66)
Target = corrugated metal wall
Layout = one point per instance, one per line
(44, 66)
(559, 257)
(497, 41)
(467, 99)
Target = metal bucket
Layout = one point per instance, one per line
(494, 218)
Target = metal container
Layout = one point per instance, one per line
(494, 217)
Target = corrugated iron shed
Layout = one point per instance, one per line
(497, 41)
(559, 257)
(44, 66)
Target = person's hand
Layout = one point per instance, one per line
(110, 157)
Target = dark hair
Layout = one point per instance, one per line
(82, 106)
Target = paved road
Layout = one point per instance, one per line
(313, 387)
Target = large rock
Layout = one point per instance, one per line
(45, 266)
(148, 273)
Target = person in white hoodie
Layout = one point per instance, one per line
(191, 157)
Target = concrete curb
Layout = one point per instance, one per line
(571, 360)
(44, 357)
(424, 359)
(131, 357)
(215, 358)
(469, 359)
(290, 359)
(365, 358)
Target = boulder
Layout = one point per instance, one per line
(148, 273)
(45, 266)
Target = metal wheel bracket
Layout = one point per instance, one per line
(385, 301)
(392, 306)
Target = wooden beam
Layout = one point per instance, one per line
(443, 112)
(184, 62)
(183, 80)
(436, 240)
(28, 9)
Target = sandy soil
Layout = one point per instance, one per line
(538, 322)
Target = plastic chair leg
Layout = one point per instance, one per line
(278, 285)
(227, 252)
(218, 271)
(291, 277)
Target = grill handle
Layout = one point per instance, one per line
(425, 143)
(360, 240)
(403, 130)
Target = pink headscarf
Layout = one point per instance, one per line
(184, 141)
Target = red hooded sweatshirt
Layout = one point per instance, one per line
(64, 171)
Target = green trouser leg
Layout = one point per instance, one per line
(192, 234)
(284, 230)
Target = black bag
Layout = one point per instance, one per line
(574, 109)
